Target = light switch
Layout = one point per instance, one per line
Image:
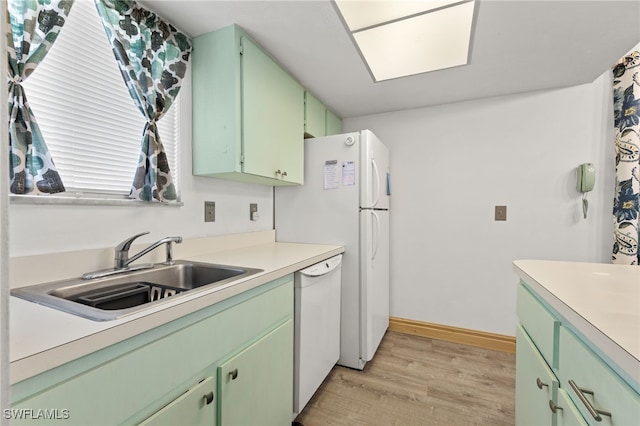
(501, 213)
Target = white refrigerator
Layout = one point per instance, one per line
(345, 201)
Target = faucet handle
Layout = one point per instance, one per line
(126, 244)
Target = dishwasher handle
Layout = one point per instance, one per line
(323, 268)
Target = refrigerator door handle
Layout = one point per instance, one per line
(375, 234)
(376, 182)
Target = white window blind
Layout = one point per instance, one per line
(89, 122)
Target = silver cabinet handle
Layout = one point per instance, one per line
(208, 398)
(233, 374)
(284, 174)
(278, 172)
(540, 383)
(595, 412)
(554, 408)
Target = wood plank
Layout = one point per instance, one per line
(415, 380)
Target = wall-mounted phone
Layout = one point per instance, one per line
(586, 180)
(586, 177)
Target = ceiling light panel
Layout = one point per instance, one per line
(359, 14)
(437, 37)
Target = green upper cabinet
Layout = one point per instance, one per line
(248, 113)
(333, 124)
(318, 119)
(314, 117)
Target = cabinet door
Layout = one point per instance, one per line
(216, 122)
(569, 414)
(595, 384)
(272, 117)
(314, 117)
(256, 385)
(194, 407)
(535, 384)
(333, 123)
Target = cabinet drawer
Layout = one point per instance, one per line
(540, 324)
(580, 365)
(535, 384)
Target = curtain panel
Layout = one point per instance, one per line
(32, 28)
(152, 56)
(626, 208)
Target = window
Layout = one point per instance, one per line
(89, 122)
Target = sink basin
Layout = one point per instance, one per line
(112, 297)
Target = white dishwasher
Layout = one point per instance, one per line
(317, 327)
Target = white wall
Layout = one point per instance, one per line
(4, 246)
(38, 229)
(451, 164)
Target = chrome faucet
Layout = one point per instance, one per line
(122, 261)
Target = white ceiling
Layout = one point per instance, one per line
(517, 46)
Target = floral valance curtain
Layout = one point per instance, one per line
(626, 208)
(32, 28)
(152, 56)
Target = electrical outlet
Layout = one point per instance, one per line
(501, 213)
(253, 211)
(209, 211)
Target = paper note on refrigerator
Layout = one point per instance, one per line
(348, 173)
(331, 174)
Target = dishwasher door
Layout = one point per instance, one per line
(317, 327)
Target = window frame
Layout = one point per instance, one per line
(77, 196)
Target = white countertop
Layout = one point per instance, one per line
(42, 338)
(602, 301)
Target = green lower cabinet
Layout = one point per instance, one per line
(600, 395)
(581, 389)
(567, 413)
(535, 384)
(169, 374)
(194, 407)
(540, 324)
(255, 385)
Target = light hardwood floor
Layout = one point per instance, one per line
(418, 381)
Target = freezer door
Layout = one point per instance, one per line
(374, 284)
(323, 210)
(374, 160)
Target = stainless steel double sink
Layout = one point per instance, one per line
(112, 297)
